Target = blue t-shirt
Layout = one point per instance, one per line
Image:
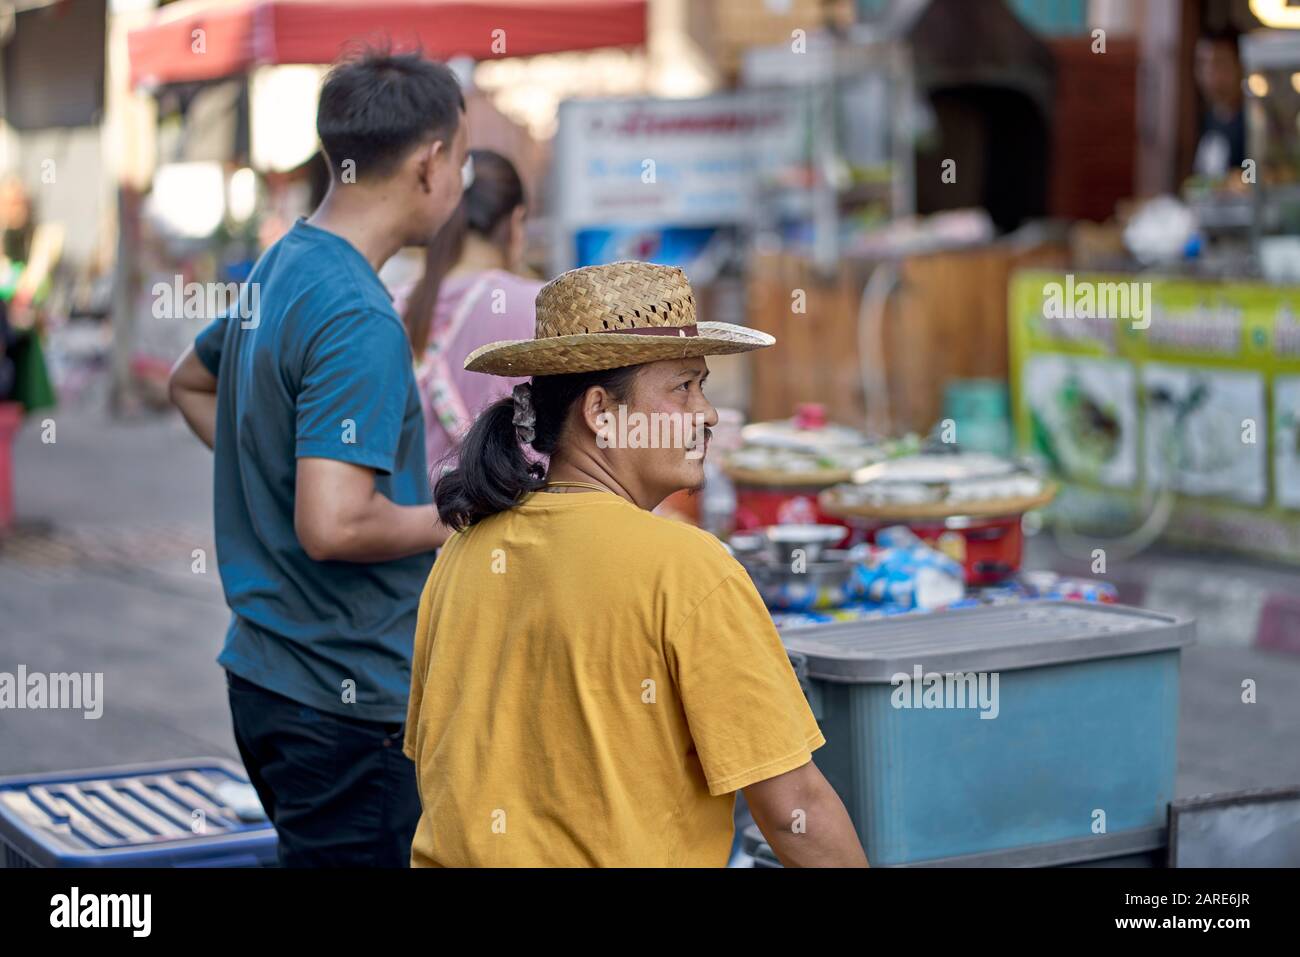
(314, 362)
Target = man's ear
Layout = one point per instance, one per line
(426, 163)
(595, 404)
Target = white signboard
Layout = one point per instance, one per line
(672, 162)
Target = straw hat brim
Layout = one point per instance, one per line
(588, 352)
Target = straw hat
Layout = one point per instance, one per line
(604, 317)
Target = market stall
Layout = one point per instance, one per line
(1161, 381)
(1152, 364)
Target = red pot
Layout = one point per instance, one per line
(758, 506)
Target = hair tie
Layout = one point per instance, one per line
(524, 419)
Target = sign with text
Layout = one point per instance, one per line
(673, 162)
(1132, 389)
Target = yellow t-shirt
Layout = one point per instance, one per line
(591, 684)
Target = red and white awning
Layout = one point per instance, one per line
(211, 39)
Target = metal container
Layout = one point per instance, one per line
(818, 584)
(788, 544)
(1065, 752)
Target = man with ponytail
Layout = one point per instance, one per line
(592, 683)
(324, 525)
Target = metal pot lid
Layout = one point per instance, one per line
(931, 469)
(787, 435)
(804, 534)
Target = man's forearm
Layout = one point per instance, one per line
(829, 840)
(193, 390)
(385, 531)
(199, 410)
(825, 836)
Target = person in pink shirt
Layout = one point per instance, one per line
(470, 294)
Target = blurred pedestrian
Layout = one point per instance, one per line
(1221, 146)
(17, 224)
(324, 525)
(471, 293)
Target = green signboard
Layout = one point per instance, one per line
(1166, 401)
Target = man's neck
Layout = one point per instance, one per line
(586, 468)
(366, 217)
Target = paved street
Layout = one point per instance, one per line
(99, 578)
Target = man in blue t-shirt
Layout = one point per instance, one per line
(325, 531)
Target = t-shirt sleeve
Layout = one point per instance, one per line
(748, 716)
(354, 391)
(419, 669)
(209, 343)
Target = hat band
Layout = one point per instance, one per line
(676, 331)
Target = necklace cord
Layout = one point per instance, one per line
(590, 485)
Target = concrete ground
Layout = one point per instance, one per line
(99, 576)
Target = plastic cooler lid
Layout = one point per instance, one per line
(115, 809)
(991, 638)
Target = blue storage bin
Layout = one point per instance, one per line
(167, 814)
(1086, 722)
(1142, 848)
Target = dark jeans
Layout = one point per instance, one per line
(339, 790)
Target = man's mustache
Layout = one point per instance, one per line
(695, 448)
(697, 441)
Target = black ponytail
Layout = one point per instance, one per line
(492, 471)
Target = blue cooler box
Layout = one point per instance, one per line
(170, 814)
(1078, 764)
